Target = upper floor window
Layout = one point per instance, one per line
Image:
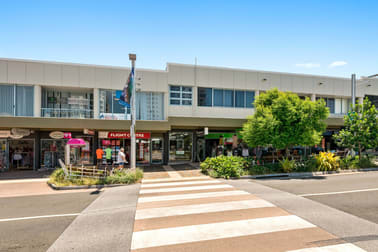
(149, 106)
(67, 103)
(208, 97)
(180, 95)
(16, 100)
(330, 103)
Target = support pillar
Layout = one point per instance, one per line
(313, 97)
(37, 100)
(96, 103)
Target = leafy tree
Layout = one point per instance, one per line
(361, 128)
(283, 120)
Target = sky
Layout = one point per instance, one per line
(335, 38)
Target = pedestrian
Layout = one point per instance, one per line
(121, 158)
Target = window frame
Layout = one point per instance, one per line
(180, 98)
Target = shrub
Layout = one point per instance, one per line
(224, 166)
(125, 177)
(57, 176)
(287, 165)
(327, 161)
(365, 162)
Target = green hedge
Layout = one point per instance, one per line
(125, 176)
(224, 166)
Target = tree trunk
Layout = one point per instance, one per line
(287, 152)
(359, 151)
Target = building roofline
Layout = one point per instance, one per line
(255, 71)
(78, 64)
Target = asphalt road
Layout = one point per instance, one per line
(38, 234)
(343, 192)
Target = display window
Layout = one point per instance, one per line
(21, 154)
(51, 151)
(3, 155)
(180, 146)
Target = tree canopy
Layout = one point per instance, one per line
(283, 120)
(361, 128)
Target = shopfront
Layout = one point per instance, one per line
(180, 146)
(17, 149)
(117, 140)
(53, 144)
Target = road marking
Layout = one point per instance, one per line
(10, 181)
(39, 217)
(346, 247)
(180, 183)
(203, 232)
(175, 179)
(342, 192)
(191, 196)
(171, 172)
(200, 208)
(181, 189)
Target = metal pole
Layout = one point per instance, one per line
(353, 89)
(132, 57)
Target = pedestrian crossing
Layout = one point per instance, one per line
(204, 214)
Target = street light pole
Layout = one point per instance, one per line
(353, 89)
(132, 58)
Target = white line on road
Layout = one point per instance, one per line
(342, 192)
(212, 231)
(200, 208)
(39, 217)
(182, 189)
(333, 248)
(11, 181)
(180, 183)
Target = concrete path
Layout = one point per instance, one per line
(203, 214)
(105, 225)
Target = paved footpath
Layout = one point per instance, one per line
(204, 214)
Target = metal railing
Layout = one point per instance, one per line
(66, 113)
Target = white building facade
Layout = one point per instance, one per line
(43, 104)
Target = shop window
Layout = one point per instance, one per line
(228, 98)
(16, 100)
(180, 95)
(180, 146)
(218, 97)
(205, 97)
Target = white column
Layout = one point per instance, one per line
(96, 103)
(257, 93)
(360, 100)
(37, 100)
(313, 97)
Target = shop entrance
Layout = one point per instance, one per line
(21, 154)
(157, 150)
(3, 155)
(180, 146)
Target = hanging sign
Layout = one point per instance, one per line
(56, 134)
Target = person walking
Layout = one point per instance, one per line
(121, 158)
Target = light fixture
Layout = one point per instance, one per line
(265, 79)
(320, 83)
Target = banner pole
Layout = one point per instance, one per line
(132, 57)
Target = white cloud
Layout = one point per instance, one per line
(337, 64)
(308, 65)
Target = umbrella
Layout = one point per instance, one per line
(76, 142)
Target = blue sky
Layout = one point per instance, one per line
(333, 38)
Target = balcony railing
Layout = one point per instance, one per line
(66, 113)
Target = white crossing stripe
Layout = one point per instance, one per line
(200, 208)
(39, 217)
(203, 232)
(346, 247)
(180, 183)
(191, 196)
(175, 179)
(182, 189)
(342, 192)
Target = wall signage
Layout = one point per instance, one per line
(88, 132)
(20, 132)
(67, 135)
(5, 133)
(124, 135)
(57, 134)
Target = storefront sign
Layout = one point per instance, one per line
(5, 133)
(16, 136)
(56, 134)
(88, 132)
(67, 135)
(105, 142)
(124, 135)
(20, 132)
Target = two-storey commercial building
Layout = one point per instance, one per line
(43, 104)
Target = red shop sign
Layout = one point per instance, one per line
(139, 135)
(67, 135)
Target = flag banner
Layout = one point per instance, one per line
(125, 95)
